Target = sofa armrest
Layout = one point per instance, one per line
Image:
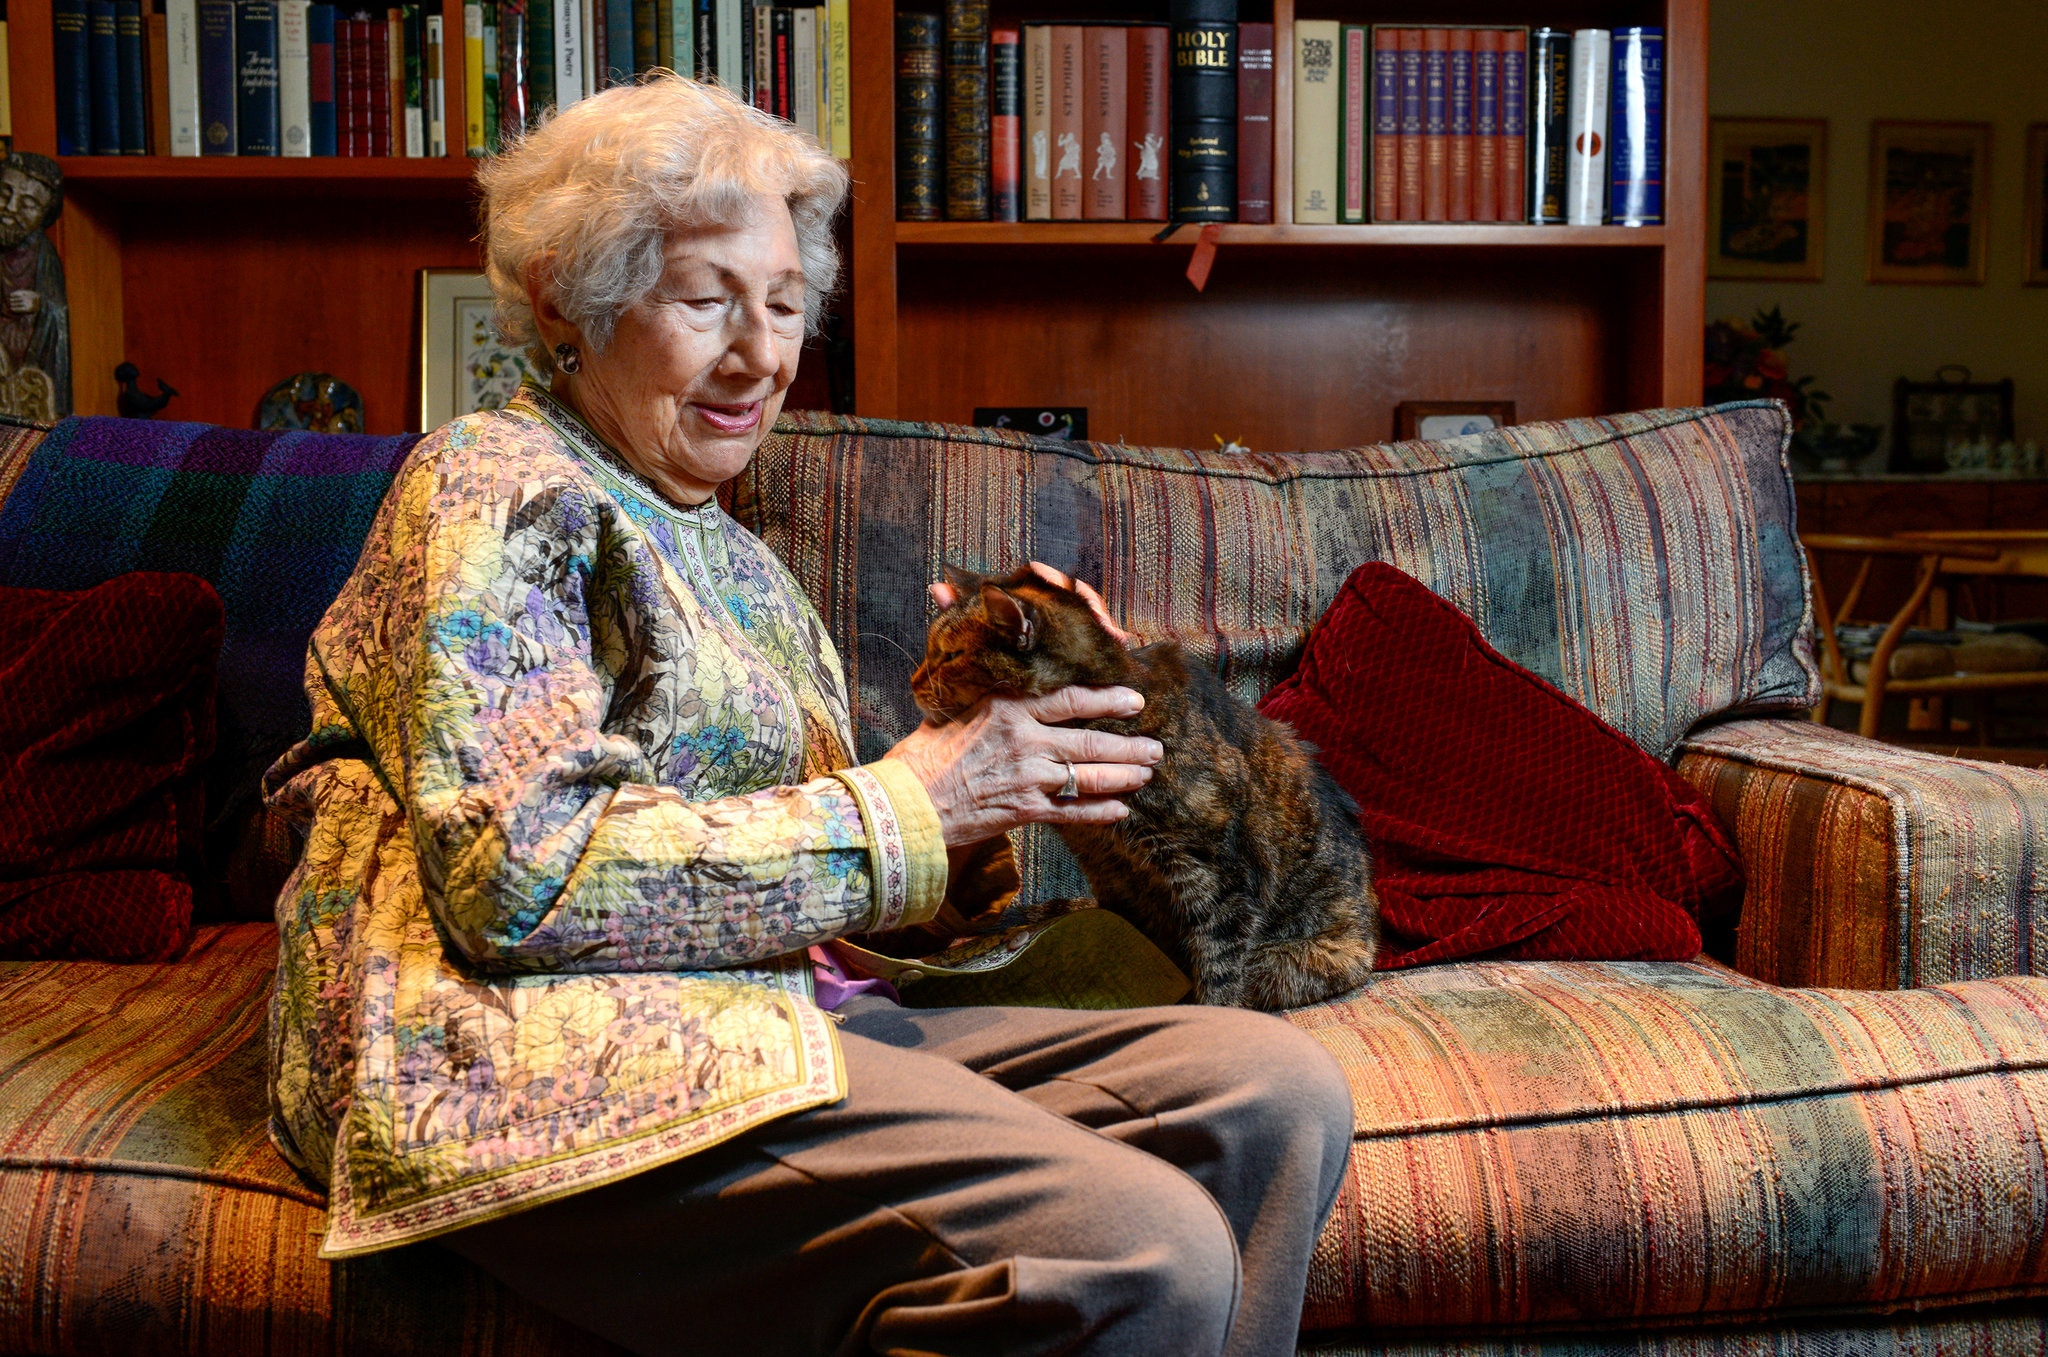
(1872, 866)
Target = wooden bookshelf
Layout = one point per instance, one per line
(1307, 336)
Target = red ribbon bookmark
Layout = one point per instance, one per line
(1204, 257)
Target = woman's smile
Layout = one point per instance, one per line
(729, 418)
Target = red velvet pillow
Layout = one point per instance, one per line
(106, 713)
(1506, 819)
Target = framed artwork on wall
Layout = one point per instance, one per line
(1930, 189)
(1450, 419)
(464, 366)
(2036, 269)
(1767, 198)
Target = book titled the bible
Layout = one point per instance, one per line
(1550, 82)
(1436, 151)
(1149, 123)
(1386, 124)
(1353, 87)
(1585, 161)
(1486, 125)
(1037, 142)
(1204, 138)
(966, 110)
(1255, 122)
(1411, 124)
(1068, 176)
(1105, 73)
(1316, 104)
(1006, 96)
(1460, 116)
(919, 147)
(1636, 152)
(1514, 124)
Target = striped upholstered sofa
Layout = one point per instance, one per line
(1833, 1145)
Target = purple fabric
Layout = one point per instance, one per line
(835, 986)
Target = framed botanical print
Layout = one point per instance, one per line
(464, 366)
(2036, 270)
(1930, 189)
(1767, 198)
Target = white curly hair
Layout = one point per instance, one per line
(600, 185)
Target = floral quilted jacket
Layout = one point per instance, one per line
(579, 797)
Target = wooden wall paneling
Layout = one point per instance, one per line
(1683, 287)
(301, 284)
(31, 59)
(874, 207)
(1286, 349)
(88, 238)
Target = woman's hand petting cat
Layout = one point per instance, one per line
(1002, 763)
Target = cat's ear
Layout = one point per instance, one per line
(965, 582)
(1016, 619)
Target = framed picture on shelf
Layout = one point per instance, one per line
(1767, 198)
(1930, 188)
(464, 366)
(1449, 419)
(2036, 270)
(1927, 417)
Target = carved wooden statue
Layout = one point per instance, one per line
(35, 323)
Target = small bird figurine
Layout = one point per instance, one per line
(133, 402)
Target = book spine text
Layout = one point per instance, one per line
(1316, 109)
(1149, 121)
(1637, 153)
(919, 147)
(1005, 76)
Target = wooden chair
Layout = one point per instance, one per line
(1939, 556)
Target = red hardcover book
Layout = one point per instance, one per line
(1411, 124)
(1386, 124)
(344, 87)
(1069, 172)
(1459, 94)
(1514, 124)
(1105, 112)
(377, 85)
(1436, 149)
(1352, 111)
(1486, 125)
(363, 71)
(1005, 124)
(1146, 123)
(1255, 122)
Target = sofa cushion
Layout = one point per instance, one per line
(1506, 820)
(274, 521)
(1646, 564)
(106, 714)
(144, 1209)
(1574, 1145)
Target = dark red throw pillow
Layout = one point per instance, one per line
(1507, 821)
(106, 713)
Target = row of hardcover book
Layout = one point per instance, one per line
(1399, 124)
(1146, 122)
(296, 78)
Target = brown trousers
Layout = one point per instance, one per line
(997, 1181)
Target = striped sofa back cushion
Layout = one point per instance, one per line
(1646, 564)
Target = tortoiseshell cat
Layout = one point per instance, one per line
(1241, 858)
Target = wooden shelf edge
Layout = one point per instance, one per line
(1404, 234)
(149, 178)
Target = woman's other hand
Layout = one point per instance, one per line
(1004, 761)
(945, 597)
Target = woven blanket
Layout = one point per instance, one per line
(273, 521)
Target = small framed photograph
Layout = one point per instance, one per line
(2036, 270)
(464, 365)
(1449, 419)
(1767, 198)
(1930, 189)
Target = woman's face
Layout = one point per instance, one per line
(695, 374)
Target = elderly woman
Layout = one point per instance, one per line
(583, 811)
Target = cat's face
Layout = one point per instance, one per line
(1018, 636)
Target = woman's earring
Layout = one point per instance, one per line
(567, 359)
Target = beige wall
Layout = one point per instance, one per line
(1852, 61)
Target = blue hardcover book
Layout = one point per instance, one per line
(320, 121)
(216, 77)
(256, 108)
(100, 29)
(1636, 130)
(74, 77)
(618, 28)
(128, 46)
